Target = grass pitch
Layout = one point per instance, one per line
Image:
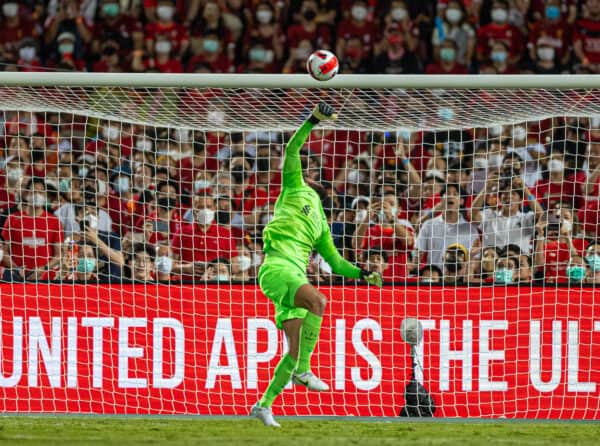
(78, 430)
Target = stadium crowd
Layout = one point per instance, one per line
(86, 200)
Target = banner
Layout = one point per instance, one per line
(158, 349)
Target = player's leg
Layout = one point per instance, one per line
(309, 298)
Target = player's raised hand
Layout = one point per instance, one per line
(324, 112)
(372, 278)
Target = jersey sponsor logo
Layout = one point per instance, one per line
(34, 242)
(306, 210)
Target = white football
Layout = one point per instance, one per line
(411, 331)
(322, 65)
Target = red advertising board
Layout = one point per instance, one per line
(157, 349)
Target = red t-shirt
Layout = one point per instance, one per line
(193, 245)
(556, 260)
(123, 25)
(509, 34)
(588, 32)
(547, 192)
(437, 68)
(32, 239)
(176, 33)
(367, 32)
(251, 198)
(554, 34)
(589, 217)
(11, 37)
(221, 64)
(319, 37)
(170, 66)
(378, 236)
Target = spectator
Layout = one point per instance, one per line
(217, 270)
(354, 60)
(68, 21)
(32, 235)
(66, 269)
(29, 60)
(296, 62)
(508, 225)
(498, 37)
(66, 56)
(455, 27)
(267, 32)
(450, 227)
(447, 60)
(377, 260)
(544, 61)
(211, 54)
(500, 62)
(357, 25)
(168, 28)
(551, 31)
(115, 25)
(430, 274)
(592, 259)
(203, 240)
(586, 51)
(398, 20)
(482, 264)
(162, 58)
(506, 271)
(588, 188)
(308, 28)
(395, 56)
(456, 261)
(241, 266)
(141, 264)
(524, 271)
(553, 187)
(14, 28)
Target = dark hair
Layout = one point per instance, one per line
(142, 247)
(430, 268)
(377, 251)
(172, 183)
(456, 186)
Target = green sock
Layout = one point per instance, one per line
(309, 334)
(281, 376)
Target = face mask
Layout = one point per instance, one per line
(64, 185)
(210, 46)
(499, 56)
(256, 259)
(14, 175)
(205, 216)
(164, 264)
(110, 133)
(593, 262)
(83, 171)
(163, 47)
(10, 9)
(555, 166)
(165, 12)
(480, 163)
(394, 211)
(266, 219)
(223, 217)
(183, 135)
(447, 54)
(257, 54)
(27, 53)
(576, 273)
(122, 185)
(496, 131)
(494, 161)
(519, 133)
(264, 16)
(545, 53)
(309, 15)
(86, 265)
(101, 187)
(92, 221)
(66, 48)
(499, 15)
(222, 278)
(143, 145)
(359, 12)
(245, 263)
(110, 9)
(399, 14)
(37, 200)
(353, 177)
(427, 281)
(453, 15)
(201, 185)
(552, 12)
(302, 53)
(504, 275)
(446, 114)
(567, 225)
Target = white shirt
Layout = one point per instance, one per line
(500, 231)
(66, 215)
(436, 235)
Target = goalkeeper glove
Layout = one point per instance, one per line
(371, 277)
(323, 112)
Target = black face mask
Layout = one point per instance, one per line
(310, 15)
(238, 174)
(452, 264)
(223, 217)
(166, 203)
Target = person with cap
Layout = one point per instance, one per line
(66, 55)
(456, 261)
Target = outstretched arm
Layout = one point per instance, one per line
(292, 167)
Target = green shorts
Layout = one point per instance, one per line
(279, 280)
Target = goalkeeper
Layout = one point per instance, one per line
(298, 227)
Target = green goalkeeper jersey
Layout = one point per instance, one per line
(299, 224)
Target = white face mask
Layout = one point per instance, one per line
(496, 131)
(399, 14)
(101, 187)
(555, 165)
(495, 160)
(165, 12)
(163, 264)
(595, 123)
(499, 15)
(245, 263)
(183, 135)
(83, 171)
(545, 53)
(15, 174)
(359, 12)
(453, 15)
(27, 53)
(354, 177)
(519, 133)
(222, 278)
(480, 163)
(143, 145)
(256, 259)
(110, 133)
(163, 47)
(201, 185)
(92, 220)
(10, 9)
(567, 225)
(361, 215)
(1, 254)
(36, 199)
(205, 216)
(122, 184)
(264, 16)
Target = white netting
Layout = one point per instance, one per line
(489, 195)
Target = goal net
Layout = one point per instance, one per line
(132, 210)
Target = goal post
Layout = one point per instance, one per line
(476, 197)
